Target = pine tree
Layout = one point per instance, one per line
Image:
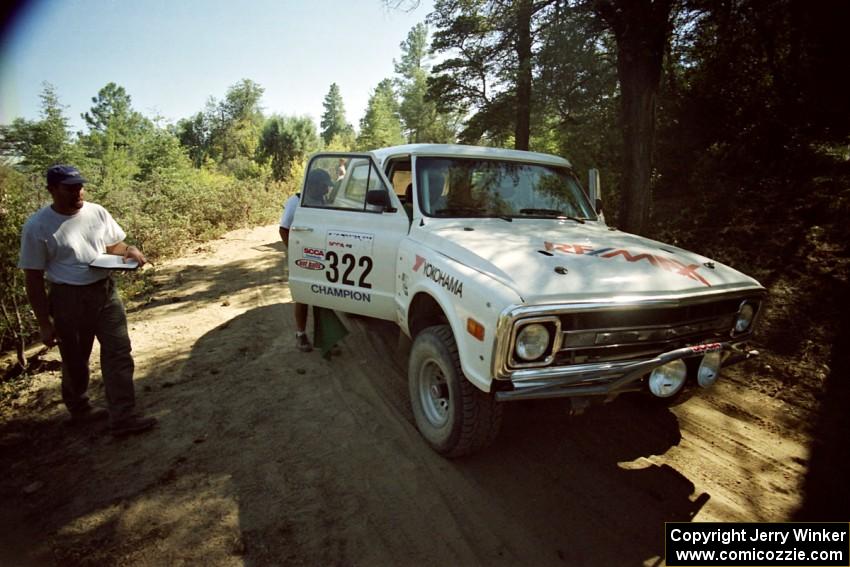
(422, 122)
(333, 119)
(381, 126)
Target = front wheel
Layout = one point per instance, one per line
(455, 417)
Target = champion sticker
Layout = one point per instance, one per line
(308, 264)
(355, 295)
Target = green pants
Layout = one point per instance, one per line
(81, 313)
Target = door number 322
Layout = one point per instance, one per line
(347, 264)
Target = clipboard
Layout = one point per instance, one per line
(113, 262)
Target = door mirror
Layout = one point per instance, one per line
(593, 188)
(378, 198)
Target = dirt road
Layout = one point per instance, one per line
(267, 456)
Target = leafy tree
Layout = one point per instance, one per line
(114, 137)
(576, 103)
(491, 70)
(285, 141)
(18, 199)
(422, 122)
(237, 122)
(161, 155)
(333, 119)
(642, 29)
(228, 131)
(36, 145)
(381, 126)
(195, 134)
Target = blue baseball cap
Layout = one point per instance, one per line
(64, 175)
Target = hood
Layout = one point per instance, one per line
(551, 261)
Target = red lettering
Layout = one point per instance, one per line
(625, 254)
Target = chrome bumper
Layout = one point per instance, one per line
(606, 378)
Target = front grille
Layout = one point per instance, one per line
(641, 332)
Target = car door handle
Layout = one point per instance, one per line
(301, 229)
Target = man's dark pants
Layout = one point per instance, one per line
(81, 313)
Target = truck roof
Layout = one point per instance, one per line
(458, 150)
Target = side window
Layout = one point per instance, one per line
(340, 182)
(400, 176)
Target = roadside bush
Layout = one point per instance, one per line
(162, 214)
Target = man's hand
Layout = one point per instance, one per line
(122, 249)
(135, 254)
(48, 334)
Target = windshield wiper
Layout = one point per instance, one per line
(458, 210)
(471, 211)
(550, 213)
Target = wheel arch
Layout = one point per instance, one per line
(425, 311)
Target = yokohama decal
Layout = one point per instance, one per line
(666, 264)
(449, 282)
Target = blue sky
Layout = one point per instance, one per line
(172, 55)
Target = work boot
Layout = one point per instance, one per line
(302, 343)
(132, 424)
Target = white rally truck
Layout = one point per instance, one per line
(501, 270)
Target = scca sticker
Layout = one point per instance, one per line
(314, 253)
(667, 264)
(308, 264)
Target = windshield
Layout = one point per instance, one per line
(488, 188)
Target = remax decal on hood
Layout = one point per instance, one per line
(667, 264)
(449, 282)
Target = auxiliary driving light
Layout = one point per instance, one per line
(709, 369)
(668, 379)
(532, 341)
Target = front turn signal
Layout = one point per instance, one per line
(475, 329)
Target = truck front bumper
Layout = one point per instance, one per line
(607, 378)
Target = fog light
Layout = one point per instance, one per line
(668, 379)
(709, 369)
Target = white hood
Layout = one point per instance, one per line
(549, 261)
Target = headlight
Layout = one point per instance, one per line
(532, 342)
(745, 318)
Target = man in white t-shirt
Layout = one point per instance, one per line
(318, 185)
(58, 242)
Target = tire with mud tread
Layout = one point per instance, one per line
(455, 417)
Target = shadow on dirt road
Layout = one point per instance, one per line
(325, 466)
(267, 456)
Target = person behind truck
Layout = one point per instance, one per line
(315, 191)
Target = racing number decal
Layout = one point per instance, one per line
(348, 263)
